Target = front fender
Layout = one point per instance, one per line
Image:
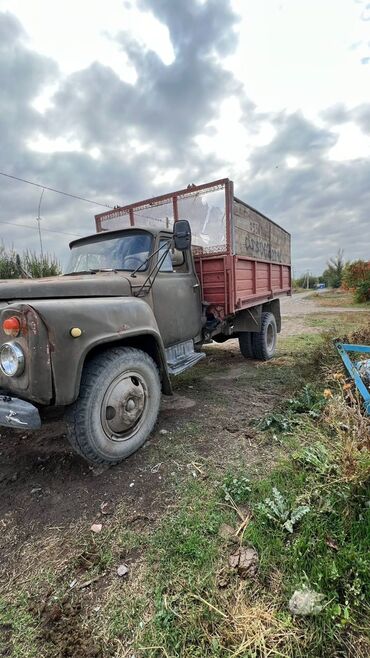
(101, 321)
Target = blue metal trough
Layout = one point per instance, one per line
(360, 371)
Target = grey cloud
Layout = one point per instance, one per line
(295, 136)
(340, 113)
(195, 27)
(336, 114)
(96, 107)
(169, 104)
(23, 74)
(323, 203)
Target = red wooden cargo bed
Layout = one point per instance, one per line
(242, 258)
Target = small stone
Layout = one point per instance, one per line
(122, 570)
(163, 431)
(96, 528)
(305, 602)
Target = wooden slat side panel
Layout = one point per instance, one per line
(275, 277)
(252, 281)
(244, 272)
(263, 286)
(258, 237)
(262, 281)
(212, 280)
(286, 277)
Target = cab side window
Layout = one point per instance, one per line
(174, 260)
(167, 262)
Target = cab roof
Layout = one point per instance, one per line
(94, 237)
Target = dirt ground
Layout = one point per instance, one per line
(296, 308)
(44, 484)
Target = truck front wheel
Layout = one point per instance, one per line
(117, 407)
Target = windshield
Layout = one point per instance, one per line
(126, 252)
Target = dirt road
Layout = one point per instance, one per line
(43, 483)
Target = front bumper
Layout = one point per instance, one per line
(18, 414)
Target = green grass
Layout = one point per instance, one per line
(328, 551)
(18, 628)
(335, 298)
(182, 599)
(329, 321)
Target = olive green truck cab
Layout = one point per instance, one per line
(133, 308)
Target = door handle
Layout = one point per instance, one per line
(196, 285)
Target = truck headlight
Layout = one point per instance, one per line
(11, 359)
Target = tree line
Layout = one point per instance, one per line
(341, 274)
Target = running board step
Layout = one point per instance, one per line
(182, 356)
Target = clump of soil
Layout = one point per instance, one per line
(62, 626)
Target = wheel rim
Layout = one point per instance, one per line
(124, 406)
(270, 337)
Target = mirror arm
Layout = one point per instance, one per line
(133, 274)
(155, 269)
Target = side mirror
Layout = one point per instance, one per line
(182, 235)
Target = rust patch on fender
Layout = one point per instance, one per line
(122, 328)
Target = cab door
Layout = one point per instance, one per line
(176, 296)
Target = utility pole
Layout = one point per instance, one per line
(38, 219)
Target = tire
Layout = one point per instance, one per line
(117, 407)
(245, 344)
(264, 341)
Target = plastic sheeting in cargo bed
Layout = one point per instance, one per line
(205, 210)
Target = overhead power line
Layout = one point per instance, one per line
(35, 228)
(52, 189)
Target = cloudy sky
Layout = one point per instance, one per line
(120, 100)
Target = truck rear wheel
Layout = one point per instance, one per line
(245, 344)
(118, 405)
(264, 341)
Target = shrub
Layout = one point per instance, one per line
(16, 266)
(362, 290)
(357, 277)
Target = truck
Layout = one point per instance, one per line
(137, 300)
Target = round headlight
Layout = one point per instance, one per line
(11, 359)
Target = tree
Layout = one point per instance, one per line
(356, 276)
(333, 274)
(302, 281)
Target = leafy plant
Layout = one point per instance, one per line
(317, 458)
(277, 509)
(236, 488)
(277, 422)
(308, 401)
